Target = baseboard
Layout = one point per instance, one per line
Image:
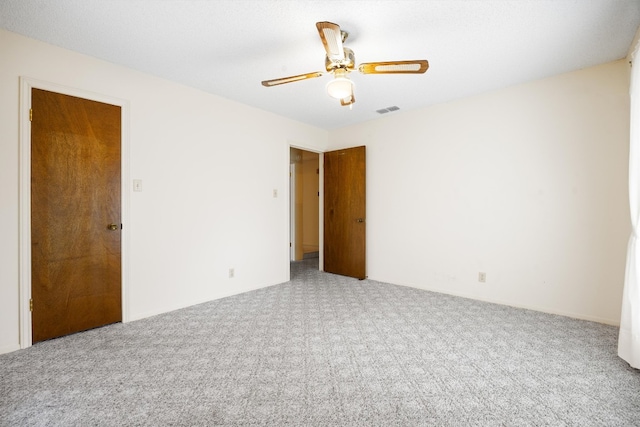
(522, 306)
(9, 348)
(140, 316)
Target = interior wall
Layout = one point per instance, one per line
(206, 206)
(526, 184)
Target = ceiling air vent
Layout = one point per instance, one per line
(387, 110)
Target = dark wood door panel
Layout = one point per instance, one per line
(345, 212)
(75, 195)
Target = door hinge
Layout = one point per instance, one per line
(31, 304)
(30, 114)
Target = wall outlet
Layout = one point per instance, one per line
(232, 273)
(482, 277)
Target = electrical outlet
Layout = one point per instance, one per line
(482, 277)
(231, 273)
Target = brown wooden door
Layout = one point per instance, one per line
(344, 212)
(75, 196)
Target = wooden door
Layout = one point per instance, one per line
(75, 214)
(344, 212)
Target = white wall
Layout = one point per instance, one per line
(208, 165)
(527, 184)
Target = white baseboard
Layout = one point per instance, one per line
(9, 348)
(611, 322)
(140, 316)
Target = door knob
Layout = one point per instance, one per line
(112, 227)
(360, 220)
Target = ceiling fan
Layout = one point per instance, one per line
(340, 61)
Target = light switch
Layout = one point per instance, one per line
(137, 185)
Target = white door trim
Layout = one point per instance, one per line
(292, 212)
(26, 84)
(320, 201)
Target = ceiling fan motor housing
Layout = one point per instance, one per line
(347, 63)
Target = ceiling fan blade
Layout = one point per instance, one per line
(331, 39)
(418, 66)
(291, 79)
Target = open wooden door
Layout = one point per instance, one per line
(345, 212)
(75, 214)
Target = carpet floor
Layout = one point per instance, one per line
(326, 350)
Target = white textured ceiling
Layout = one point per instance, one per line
(227, 47)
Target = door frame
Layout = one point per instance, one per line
(292, 219)
(292, 212)
(26, 85)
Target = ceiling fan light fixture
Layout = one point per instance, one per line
(340, 88)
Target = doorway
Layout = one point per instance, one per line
(304, 181)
